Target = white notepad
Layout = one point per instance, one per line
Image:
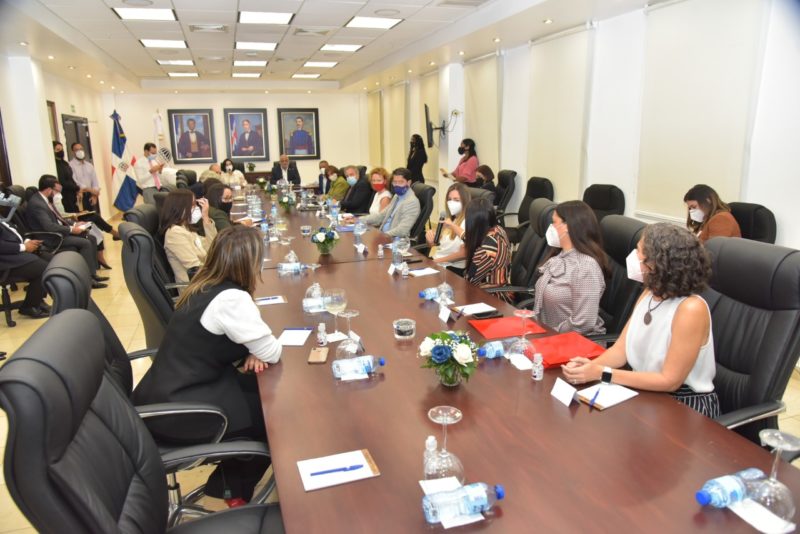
(610, 395)
(294, 337)
(425, 271)
(336, 469)
(472, 309)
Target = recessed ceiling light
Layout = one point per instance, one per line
(88, 75)
(410, 71)
(377, 83)
(71, 67)
(377, 23)
(432, 63)
(364, 88)
(112, 87)
(102, 82)
(183, 74)
(176, 92)
(340, 47)
(547, 21)
(212, 58)
(246, 75)
(306, 76)
(248, 63)
(122, 92)
(309, 91)
(320, 64)
(135, 13)
(253, 45)
(496, 39)
(264, 17)
(50, 57)
(162, 43)
(460, 52)
(23, 43)
(208, 28)
(387, 12)
(266, 92)
(176, 62)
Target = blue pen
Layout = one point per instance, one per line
(591, 402)
(338, 470)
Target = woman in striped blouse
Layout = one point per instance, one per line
(487, 248)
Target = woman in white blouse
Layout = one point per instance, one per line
(451, 250)
(186, 249)
(379, 180)
(572, 280)
(668, 341)
(231, 176)
(215, 328)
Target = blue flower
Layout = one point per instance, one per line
(441, 353)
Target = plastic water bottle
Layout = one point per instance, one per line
(264, 227)
(491, 350)
(273, 211)
(428, 455)
(445, 291)
(729, 489)
(429, 293)
(470, 499)
(322, 336)
(380, 252)
(404, 270)
(397, 258)
(537, 371)
(291, 267)
(359, 365)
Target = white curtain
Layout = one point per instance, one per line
(482, 88)
(395, 127)
(375, 126)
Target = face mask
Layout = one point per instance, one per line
(196, 215)
(80, 154)
(634, 267)
(461, 151)
(57, 197)
(351, 180)
(332, 177)
(151, 157)
(454, 206)
(400, 190)
(697, 215)
(60, 154)
(229, 169)
(226, 206)
(552, 237)
(379, 187)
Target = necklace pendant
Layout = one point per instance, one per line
(647, 318)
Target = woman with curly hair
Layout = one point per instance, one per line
(667, 342)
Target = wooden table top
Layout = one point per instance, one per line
(633, 467)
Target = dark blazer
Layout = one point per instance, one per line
(220, 218)
(324, 184)
(69, 187)
(10, 255)
(185, 146)
(253, 140)
(358, 198)
(416, 161)
(40, 218)
(277, 173)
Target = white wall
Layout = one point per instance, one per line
(513, 129)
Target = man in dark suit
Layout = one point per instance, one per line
(249, 143)
(192, 143)
(17, 255)
(281, 169)
(324, 183)
(41, 215)
(359, 197)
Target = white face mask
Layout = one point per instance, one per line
(454, 206)
(552, 237)
(634, 267)
(80, 154)
(196, 215)
(229, 169)
(696, 215)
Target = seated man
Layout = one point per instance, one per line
(17, 255)
(359, 194)
(282, 170)
(41, 215)
(214, 171)
(403, 210)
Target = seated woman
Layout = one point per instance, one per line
(487, 249)
(231, 176)
(220, 202)
(451, 250)
(708, 215)
(339, 184)
(572, 279)
(668, 342)
(379, 181)
(185, 249)
(217, 326)
(484, 178)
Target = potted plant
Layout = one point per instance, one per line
(452, 355)
(251, 167)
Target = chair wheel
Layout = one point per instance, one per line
(11, 323)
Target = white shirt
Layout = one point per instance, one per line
(21, 241)
(285, 173)
(450, 244)
(234, 314)
(144, 176)
(84, 174)
(234, 178)
(375, 207)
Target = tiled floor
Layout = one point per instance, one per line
(119, 308)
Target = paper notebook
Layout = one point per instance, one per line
(559, 349)
(609, 395)
(504, 327)
(337, 469)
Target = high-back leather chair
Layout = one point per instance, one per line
(145, 281)
(238, 166)
(620, 236)
(755, 221)
(146, 216)
(78, 457)
(506, 184)
(754, 298)
(159, 198)
(605, 199)
(536, 188)
(425, 196)
(477, 192)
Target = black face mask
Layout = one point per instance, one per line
(461, 151)
(59, 154)
(226, 206)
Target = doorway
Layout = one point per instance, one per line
(76, 130)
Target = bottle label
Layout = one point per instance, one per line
(731, 486)
(475, 499)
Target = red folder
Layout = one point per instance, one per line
(560, 348)
(504, 327)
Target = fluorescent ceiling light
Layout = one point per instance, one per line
(254, 45)
(340, 48)
(183, 74)
(176, 62)
(246, 75)
(308, 76)
(264, 17)
(378, 23)
(162, 43)
(320, 64)
(250, 63)
(136, 13)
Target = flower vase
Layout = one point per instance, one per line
(325, 248)
(449, 382)
(287, 209)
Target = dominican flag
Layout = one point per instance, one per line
(122, 162)
(234, 135)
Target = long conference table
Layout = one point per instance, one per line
(634, 467)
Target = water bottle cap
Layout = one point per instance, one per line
(422, 294)
(703, 497)
(381, 361)
(500, 491)
(481, 352)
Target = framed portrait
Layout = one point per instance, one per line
(298, 129)
(246, 134)
(192, 135)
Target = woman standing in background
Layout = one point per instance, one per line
(417, 158)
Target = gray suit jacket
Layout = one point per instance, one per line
(404, 217)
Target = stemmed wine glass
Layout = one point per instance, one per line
(335, 301)
(771, 493)
(403, 244)
(522, 345)
(349, 347)
(444, 463)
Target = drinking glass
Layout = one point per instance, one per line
(522, 345)
(771, 493)
(403, 244)
(305, 230)
(404, 328)
(349, 347)
(444, 463)
(358, 230)
(335, 303)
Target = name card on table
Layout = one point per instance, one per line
(563, 392)
(444, 313)
(360, 248)
(392, 269)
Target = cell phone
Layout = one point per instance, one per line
(488, 315)
(318, 355)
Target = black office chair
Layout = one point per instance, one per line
(159, 199)
(755, 221)
(536, 188)
(362, 171)
(148, 285)
(79, 458)
(238, 166)
(506, 184)
(755, 310)
(424, 194)
(605, 200)
(146, 216)
(477, 192)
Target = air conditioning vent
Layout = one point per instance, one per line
(461, 3)
(208, 28)
(311, 32)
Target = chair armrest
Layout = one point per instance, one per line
(210, 419)
(604, 338)
(421, 246)
(509, 289)
(144, 353)
(175, 459)
(525, 304)
(749, 414)
(175, 285)
(42, 234)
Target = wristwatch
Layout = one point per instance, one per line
(605, 378)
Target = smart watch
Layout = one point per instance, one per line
(605, 378)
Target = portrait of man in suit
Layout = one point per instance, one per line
(192, 136)
(246, 137)
(299, 129)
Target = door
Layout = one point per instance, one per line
(76, 130)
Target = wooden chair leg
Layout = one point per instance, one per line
(7, 306)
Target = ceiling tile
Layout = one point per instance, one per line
(101, 29)
(325, 14)
(167, 4)
(403, 10)
(193, 16)
(140, 27)
(360, 33)
(90, 10)
(279, 6)
(445, 14)
(245, 32)
(210, 5)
